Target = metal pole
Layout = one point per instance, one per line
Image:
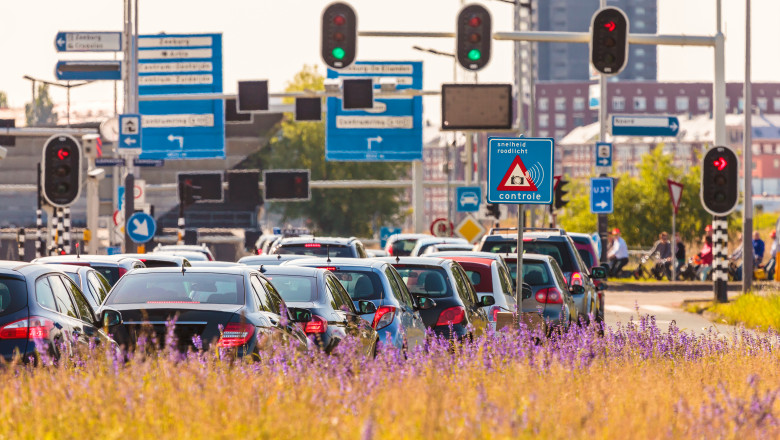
(129, 246)
(93, 207)
(519, 98)
(469, 167)
(418, 196)
(519, 285)
(674, 245)
(449, 176)
(747, 162)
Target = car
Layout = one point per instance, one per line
(159, 259)
(333, 315)
(213, 264)
(269, 260)
(92, 284)
(232, 308)
(263, 241)
(397, 318)
(490, 278)
(551, 295)
(40, 306)
(333, 247)
(110, 266)
(202, 249)
(469, 198)
(557, 244)
(474, 254)
(402, 244)
(189, 255)
(458, 312)
(425, 243)
(445, 247)
(373, 253)
(587, 250)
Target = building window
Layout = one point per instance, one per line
(741, 104)
(542, 104)
(660, 103)
(703, 103)
(618, 103)
(639, 10)
(762, 104)
(640, 103)
(579, 121)
(639, 24)
(578, 104)
(776, 104)
(544, 120)
(560, 104)
(544, 133)
(640, 51)
(560, 120)
(776, 163)
(560, 134)
(681, 103)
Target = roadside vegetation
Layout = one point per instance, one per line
(754, 310)
(636, 381)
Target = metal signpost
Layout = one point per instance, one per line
(88, 70)
(179, 65)
(468, 198)
(391, 130)
(88, 41)
(675, 192)
(601, 195)
(520, 172)
(645, 125)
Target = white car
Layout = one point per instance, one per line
(469, 198)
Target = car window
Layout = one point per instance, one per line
(164, 287)
(61, 297)
(397, 293)
(275, 301)
(260, 294)
(404, 247)
(360, 284)
(586, 257)
(99, 286)
(44, 294)
(404, 290)
(462, 285)
(294, 288)
(535, 273)
(344, 294)
(506, 281)
(338, 302)
(425, 280)
(110, 273)
(315, 250)
(83, 307)
(558, 275)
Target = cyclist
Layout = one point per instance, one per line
(618, 253)
(663, 249)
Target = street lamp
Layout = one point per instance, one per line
(66, 86)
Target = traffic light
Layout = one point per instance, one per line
(189, 193)
(286, 185)
(719, 181)
(339, 35)
(473, 37)
(61, 176)
(200, 186)
(559, 193)
(609, 41)
(493, 210)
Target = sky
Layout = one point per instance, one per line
(273, 39)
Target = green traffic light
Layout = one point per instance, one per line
(474, 54)
(338, 53)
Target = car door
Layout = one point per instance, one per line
(85, 311)
(355, 325)
(414, 325)
(276, 306)
(338, 317)
(72, 327)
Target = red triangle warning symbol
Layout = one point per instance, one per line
(517, 178)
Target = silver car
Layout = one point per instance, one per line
(552, 296)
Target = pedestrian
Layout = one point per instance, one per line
(758, 248)
(663, 251)
(706, 257)
(618, 253)
(679, 253)
(770, 265)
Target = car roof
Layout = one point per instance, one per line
(201, 263)
(475, 254)
(538, 257)
(302, 271)
(473, 260)
(181, 247)
(69, 268)
(84, 258)
(260, 259)
(312, 239)
(415, 261)
(352, 262)
(579, 235)
(159, 256)
(12, 265)
(435, 240)
(238, 269)
(409, 236)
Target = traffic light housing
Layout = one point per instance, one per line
(559, 193)
(493, 210)
(286, 185)
(61, 165)
(200, 186)
(609, 41)
(339, 35)
(473, 37)
(719, 181)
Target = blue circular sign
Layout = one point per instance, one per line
(141, 227)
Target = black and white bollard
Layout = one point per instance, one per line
(20, 240)
(720, 262)
(39, 242)
(66, 230)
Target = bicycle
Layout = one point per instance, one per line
(641, 271)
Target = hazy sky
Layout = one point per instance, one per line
(272, 39)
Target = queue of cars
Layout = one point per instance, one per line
(305, 291)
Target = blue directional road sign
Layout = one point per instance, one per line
(468, 198)
(174, 65)
(391, 131)
(520, 171)
(645, 125)
(129, 131)
(109, 162)
(88, 41)
(88, 70)
(603, 154)
(601, 195)
(148, 162)
(141, 227)
(385, 233)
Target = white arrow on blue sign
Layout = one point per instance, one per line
(601, 195)
(88, 41)
(645, 125)
(141, 227)
(129, 132)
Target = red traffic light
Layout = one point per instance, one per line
(720, 163)
(610, 26)
(63, 153)
(339, 20)
(475, 21)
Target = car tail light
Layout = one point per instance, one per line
(390, 251)
(316, 325)
(32, 328)
(330, 268)
(236, 334)
(383, 317)
(494, 313)
(550, 295)
(312, 245)
(576, 279)
(453, 315)
(122, 272)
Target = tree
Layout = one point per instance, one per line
(3, 100)
(341, 212)
(41, 111)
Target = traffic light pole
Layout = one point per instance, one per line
(747, 167)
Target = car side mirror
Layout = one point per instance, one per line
(109, 318)
(599, 273)
(425, 303)
(299, 315)
(486, 301)
(366, 307)
(576, 289)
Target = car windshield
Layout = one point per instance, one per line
(110, 273)
(360, 284)
(428, 281)
(295, 288)
(158, 263)
(403, 248)
(555, 249)
(13, 296)
(586, 257)
(177, 288)
(315, 250)
(535, 273)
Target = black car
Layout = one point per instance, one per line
(444, 281)
(41, 306)
(332, 247)
(230, 306)
(333, 316)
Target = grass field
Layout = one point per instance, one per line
(635, 382)
(759, 311)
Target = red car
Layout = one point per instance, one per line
(587, 250)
